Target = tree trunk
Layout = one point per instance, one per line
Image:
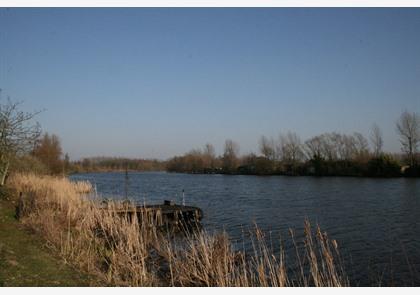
(3, 172)
(410, 148)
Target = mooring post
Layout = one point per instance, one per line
(183, 197)
(126, 183)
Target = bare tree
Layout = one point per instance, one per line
(331, 144)
(361, 146)
(209, 156)
(267, 148)
(313, 147)
(408, 128)
(342, 146)
(18, 134)
(376, 139)
(335, 146)
(230, 156)
(195, 161)
(66, 163)
(291, 148)
(209, 150)
(48, 150)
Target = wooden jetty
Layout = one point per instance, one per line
(166, 214)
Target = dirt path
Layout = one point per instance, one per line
(25, 261)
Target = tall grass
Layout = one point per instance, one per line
(133, 252)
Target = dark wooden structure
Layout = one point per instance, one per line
(164, 215)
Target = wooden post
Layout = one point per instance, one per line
(183, 197)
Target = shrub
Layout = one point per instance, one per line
(5, 192)
(412, 171)
(28, 164)
(383, 166)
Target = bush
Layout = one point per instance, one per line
(28, 164)
(7, 193)
(412, 171)
(254, 165)
(383, 166)
(321, 167)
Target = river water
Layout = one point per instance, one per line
(376, 222)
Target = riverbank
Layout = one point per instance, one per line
(123, 252)
(382, 166)
(26, 261)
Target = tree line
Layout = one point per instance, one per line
(106, 164)
(332, 154)
(23, 147)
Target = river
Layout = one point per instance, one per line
(376, 222)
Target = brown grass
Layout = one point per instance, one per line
(135, 253)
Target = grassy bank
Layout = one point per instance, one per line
(26, 261)
(135, 253)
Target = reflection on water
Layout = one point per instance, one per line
(375, 221)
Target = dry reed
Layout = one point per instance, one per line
(133, 252)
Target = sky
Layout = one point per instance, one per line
(157, 82)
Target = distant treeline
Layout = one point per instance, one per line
(25, 149)
(103, 164)
(327, 154)
(46, 157)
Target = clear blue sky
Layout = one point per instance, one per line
(157, 82)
